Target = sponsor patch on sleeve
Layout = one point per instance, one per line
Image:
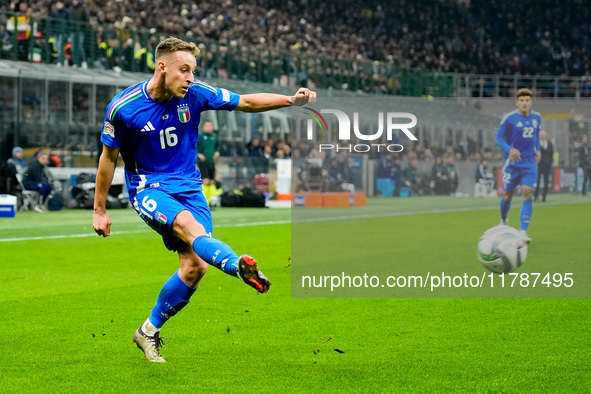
(108, 129)
(225, 95)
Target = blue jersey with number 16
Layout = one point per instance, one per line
(522, 133)
(158, 141)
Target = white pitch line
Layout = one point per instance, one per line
(427, 212)
(309, 220)
(85, 235)
(370, 216)
(253, 224)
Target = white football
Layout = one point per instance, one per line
(501, 250)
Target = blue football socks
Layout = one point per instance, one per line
(505, 207)
(217, 253)
(525, 215)
(173, 297)
(175, 293)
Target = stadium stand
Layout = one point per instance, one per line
(369, 46)
(476, 36)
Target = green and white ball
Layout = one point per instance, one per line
(501, 250)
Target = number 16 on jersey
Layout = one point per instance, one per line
(168, 138)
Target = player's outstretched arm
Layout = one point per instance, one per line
(501, 136)
(260, 102)
(501, 141)
(104, 176)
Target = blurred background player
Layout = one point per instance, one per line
(545, 164)
(585, 163)
(155, 126)
(208, 150)
(518, 136)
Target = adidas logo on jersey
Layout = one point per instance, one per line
(148, 127)
(518, 124)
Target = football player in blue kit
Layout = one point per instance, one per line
(154, 125)
(518, 135)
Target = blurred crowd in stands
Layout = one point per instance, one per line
(467, 150)
(338, 168)
(368, 40)
(467, 36)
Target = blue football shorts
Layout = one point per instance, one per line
(513, 176)
(159, 209)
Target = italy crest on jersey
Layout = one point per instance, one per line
(183, 111)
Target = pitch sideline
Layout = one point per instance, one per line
(309, 220)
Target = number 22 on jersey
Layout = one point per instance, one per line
(528, 132)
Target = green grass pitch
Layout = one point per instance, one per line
(70, 302)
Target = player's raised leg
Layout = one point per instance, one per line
(217, 253)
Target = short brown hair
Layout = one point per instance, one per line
(524, 92)
(173, 44)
